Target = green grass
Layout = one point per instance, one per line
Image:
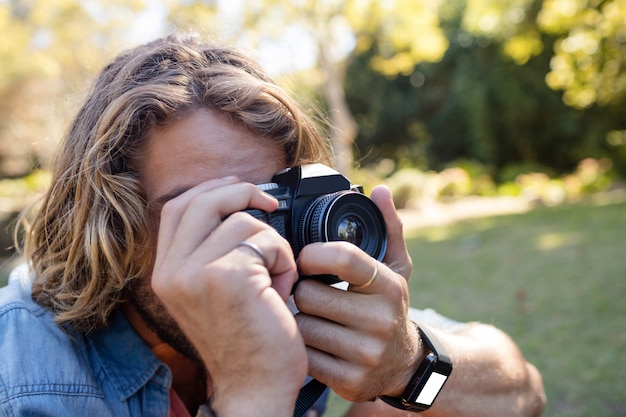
(552, 278)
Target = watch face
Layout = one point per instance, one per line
(431, 389)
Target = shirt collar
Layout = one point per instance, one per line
(126, 359)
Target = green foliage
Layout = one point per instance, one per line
(478, 103)
(590, 177)
(410, 186)
(414, 189)
(590, 51)
(511, 171)
(429, 82)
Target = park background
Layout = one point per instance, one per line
(500, 125)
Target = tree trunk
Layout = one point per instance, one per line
(343, 129)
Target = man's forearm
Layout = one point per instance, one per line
(490, 378)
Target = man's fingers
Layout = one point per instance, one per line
(350, 264)
(187, 220)
(273, 252)
(397, 257)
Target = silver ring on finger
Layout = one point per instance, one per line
(255, 248)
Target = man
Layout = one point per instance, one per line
(150, 291)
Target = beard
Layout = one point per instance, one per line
(155, 315)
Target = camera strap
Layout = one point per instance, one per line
(307, 397)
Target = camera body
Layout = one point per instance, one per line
(318, 204)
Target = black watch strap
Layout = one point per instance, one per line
(428, 380)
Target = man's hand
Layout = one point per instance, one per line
(360, 341)
(228, 300)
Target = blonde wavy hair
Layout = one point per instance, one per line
(90, 237)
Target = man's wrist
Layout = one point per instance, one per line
(426, 383)
(413, 360)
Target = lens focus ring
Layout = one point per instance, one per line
(345, 216)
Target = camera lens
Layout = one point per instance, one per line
(350, 229)
(345, 216)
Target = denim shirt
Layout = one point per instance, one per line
(46, 371)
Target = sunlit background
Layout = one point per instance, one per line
(465, 108)
(530, 85)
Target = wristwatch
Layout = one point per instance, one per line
(429, 378)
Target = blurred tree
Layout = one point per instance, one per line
(589, 51)
(49, 49)
(335, 30)
(510, 23)
(486, 100)
(439, 80)
(590, 55)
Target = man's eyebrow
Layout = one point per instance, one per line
(162, 199)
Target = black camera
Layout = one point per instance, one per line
(318, 204)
